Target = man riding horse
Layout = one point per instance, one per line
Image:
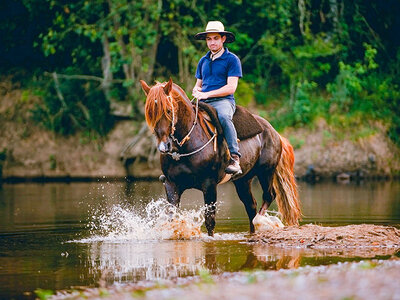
(193, 156)
(217, 74)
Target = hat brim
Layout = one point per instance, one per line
(230, 37)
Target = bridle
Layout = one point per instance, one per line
(175, 155)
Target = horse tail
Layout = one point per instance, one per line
(285, 187)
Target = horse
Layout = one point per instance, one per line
(190, 159)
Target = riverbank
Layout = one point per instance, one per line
(29, 151)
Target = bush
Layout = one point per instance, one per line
(244, 94)
(73, 106)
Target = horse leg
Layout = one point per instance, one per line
(268, 196)
(173, 193)
(210, 197)
(243, 188)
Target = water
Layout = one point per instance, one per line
(60, 236)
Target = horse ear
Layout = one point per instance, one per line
(145, 87)
(168, 87)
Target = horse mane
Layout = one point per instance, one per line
(158, 104)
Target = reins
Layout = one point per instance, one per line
(187, 137)
(175, 155)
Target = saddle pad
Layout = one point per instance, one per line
(245, 123)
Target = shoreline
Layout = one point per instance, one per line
(71, 179)
(30, 153)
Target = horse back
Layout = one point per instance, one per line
(271, 145)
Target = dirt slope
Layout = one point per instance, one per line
(31, 151)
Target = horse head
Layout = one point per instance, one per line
(166, 105)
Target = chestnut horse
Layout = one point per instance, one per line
(189, 158)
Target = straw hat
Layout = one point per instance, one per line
(216, 27)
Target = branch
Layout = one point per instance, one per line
(134, 141)
(250, 52)
(57, 87)
(106, 65)
(62, 99)
(83, 77)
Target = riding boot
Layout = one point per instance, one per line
(234, 165)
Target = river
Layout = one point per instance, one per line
(63, 235)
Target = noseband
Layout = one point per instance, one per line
(175, 155)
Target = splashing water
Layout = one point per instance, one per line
(159, 220)
(267, 222)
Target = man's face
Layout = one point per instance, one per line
(215, 41)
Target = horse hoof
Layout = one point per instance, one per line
(162, 178)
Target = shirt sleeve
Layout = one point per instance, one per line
(235, 67)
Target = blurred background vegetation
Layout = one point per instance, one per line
(302, 60)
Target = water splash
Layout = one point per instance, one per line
(159, 220)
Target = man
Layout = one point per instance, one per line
(217, 74)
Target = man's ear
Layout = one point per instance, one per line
(223, 38)
(145, 87)
(168, 87)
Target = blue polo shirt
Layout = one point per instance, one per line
(214, 74)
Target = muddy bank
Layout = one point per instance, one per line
(363, 280)
(29, 151)
(325, 152)
(314, 236)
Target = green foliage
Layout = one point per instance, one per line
(53, 162)
(138, 293)
(73, 106)
(352, 81)
(302, 108)
(304, 59)
(205, 276)
(251, 278)
(303, 111)
(244, 94)
(295, 142)
(44, 294)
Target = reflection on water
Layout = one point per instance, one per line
(47, 240)
(146, 261)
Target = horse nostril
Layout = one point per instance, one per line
(169, 146)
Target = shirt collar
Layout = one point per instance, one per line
(221, 54)
(218, 54)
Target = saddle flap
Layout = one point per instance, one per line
(246, 125)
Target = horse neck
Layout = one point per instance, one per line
(185, 118)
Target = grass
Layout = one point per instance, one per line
(44, 294)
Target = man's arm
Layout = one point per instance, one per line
(198, 85)
(226, 90)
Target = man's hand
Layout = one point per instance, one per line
(196, 88)
(199, 95)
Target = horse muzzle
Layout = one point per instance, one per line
(165, 147)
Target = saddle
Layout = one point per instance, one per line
(246, 125)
